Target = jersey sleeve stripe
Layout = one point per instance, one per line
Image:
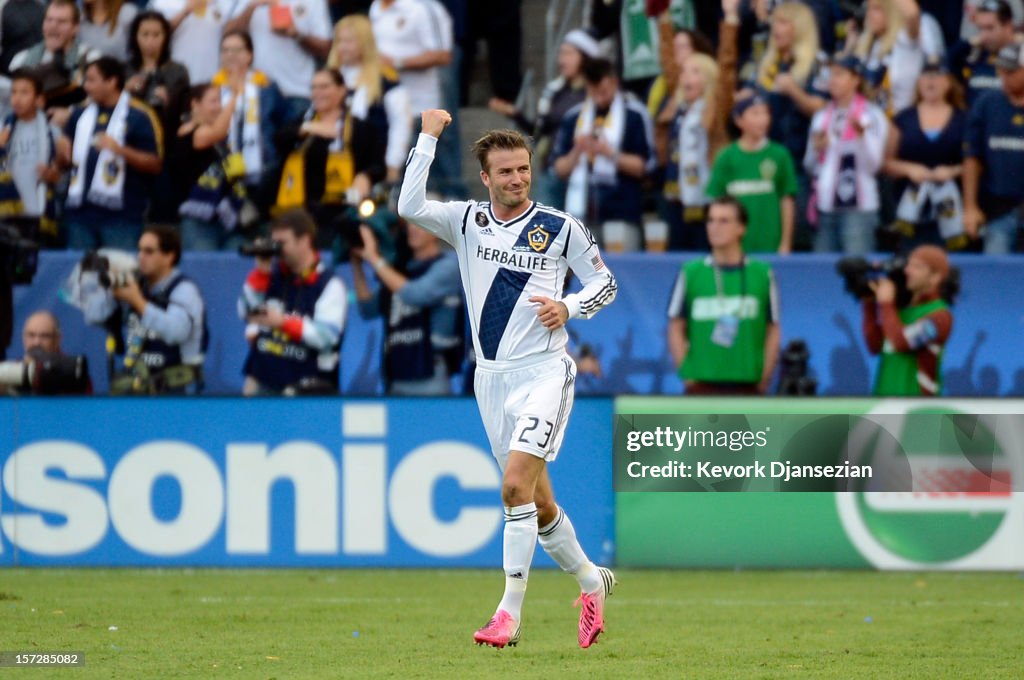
(599, 298)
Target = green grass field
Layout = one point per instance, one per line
(418, 624)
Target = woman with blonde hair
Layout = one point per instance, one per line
(697, 114)
(896, 41)
(697, 133)
(376, 95)
(791, 75)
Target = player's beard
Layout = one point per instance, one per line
(510, 199)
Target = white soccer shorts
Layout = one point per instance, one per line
(527, 408)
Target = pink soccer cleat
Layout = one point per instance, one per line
(501, 630)
(592, 613)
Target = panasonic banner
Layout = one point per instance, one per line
(274, 482)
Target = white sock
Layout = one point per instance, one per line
(520, 542)
(559, 541)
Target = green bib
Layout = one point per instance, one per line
(745, 296)
(897, 371)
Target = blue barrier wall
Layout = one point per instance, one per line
(275, 482)
(983, 358)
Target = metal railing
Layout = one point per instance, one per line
(562, 16)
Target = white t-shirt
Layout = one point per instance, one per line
(98, 36)
(195, 44)
(907, 58)
(282, 58)
(396, 107)
(407, 29)
(26, 149)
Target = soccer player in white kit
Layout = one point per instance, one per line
(513, 256)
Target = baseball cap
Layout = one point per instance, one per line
(850, 63)
(1000, 8)
(1011, 57)
(584, 42)
(742, 105)
(935, 65)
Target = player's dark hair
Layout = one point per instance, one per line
(737, 207)
(167, 238)
(500, 140)
(298, 221)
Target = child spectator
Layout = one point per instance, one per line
(845, 153)
(760, 173)
(27, 154)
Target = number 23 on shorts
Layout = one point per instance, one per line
(533, 430)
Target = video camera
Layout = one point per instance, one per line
(109, 276)
(368, 212)
(263, 246)
(46, 373)
(794, 376)
(857, 274)
(19, 256)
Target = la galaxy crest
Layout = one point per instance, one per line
(538, 238)
(481, 220)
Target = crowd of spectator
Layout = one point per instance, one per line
(879, 119)
(839, 127)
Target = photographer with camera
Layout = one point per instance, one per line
(163, 317)
(41, 332)
(910, 337)
(296, 310)
(421, 302)
(45, 369)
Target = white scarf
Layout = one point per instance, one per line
(693, 156)
(943, 201)
(603, 172)
(359, 101)
(842, 180)
(107, 187)
(246, 121)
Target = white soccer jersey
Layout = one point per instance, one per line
(503, 264)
